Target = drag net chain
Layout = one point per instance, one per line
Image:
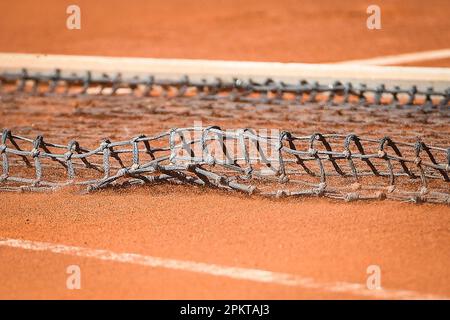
(274, 165)
(269, 91)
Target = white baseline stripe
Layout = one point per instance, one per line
(401, 58)
(174, 69)
(255, 275)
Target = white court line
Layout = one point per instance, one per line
(255, 275)
(401, 58)
(174, 69)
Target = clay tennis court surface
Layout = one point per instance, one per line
(329, 243)
(256, 30)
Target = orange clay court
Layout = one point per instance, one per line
(151, 229)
